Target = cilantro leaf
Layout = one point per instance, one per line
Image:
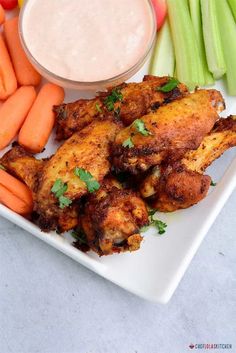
(91, 184)
(159, 225)
(97, 106)
(128, 143)
(64, 201)
(140, 127)
(58, 189)
(114, 97)
(213, 184)
(169, 86)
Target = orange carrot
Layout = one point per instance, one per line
(14, 194)
(25, 73)
(39, 123)
(13, 113)
(8, 83)
(2, 14)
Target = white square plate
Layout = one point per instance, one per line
(155, 270)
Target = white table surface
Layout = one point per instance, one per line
(51, 304)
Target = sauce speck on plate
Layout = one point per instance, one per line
(87, 41)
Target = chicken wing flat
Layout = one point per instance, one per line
(182, 184)
(132, 100)
(167, 133)
(87, 150)
(112, 219)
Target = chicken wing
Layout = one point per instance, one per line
(112, 219)
(135, 100)
(182, 184)
(167, 133)
(87, 150)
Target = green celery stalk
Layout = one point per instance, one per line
(163, 59)
(232, 4)
(211, 33)
(196, 16)
(227, 28)
(188, 63)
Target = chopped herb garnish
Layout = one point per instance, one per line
(212, 183)
(115, 96)
(98, 108)
(128, 143)
(169, 86)
(140, 127)
(117, 112)
(58, 189)
(160, 225)
(1, 167)
(79, 235)
(91, 184)
(64, 201)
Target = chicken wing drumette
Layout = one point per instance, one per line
(112, 219)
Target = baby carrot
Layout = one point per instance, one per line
(25, 72)
(39, 123)
(8, 83)
(14, 194)
(13, 113)
(2, 14)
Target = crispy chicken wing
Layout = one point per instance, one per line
(182, 184)
(170, 132)
(87, 149)
(23, 165)
(112, 219)
(137, 100)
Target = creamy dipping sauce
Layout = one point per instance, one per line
(87, 40)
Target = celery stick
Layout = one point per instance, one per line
(232, 4)
(211, 33)
(196, 16)
(227, 28)
(163, 60)
(188, 63)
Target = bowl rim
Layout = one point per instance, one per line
(105, 82)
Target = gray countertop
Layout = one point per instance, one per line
(51, 304)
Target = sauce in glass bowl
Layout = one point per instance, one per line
(87, 41)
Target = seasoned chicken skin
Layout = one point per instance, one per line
(172, 130)
(182, 184)
(112, 219)
(87, 149)
(136, 99)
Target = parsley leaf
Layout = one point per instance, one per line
(79, 235)
(114, 97)
(169, 86)
(160, 225)
(140, 127)
(213, 184)
(58, 189)
(128, 143)
(97, 106)
(64, 202)
(91, 184)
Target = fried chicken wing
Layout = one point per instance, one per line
(23, 165)
(182, 184)
(112, 219)
(88, 150)
(170, 132)
(137, 100)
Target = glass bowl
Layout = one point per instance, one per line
(87, 86)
